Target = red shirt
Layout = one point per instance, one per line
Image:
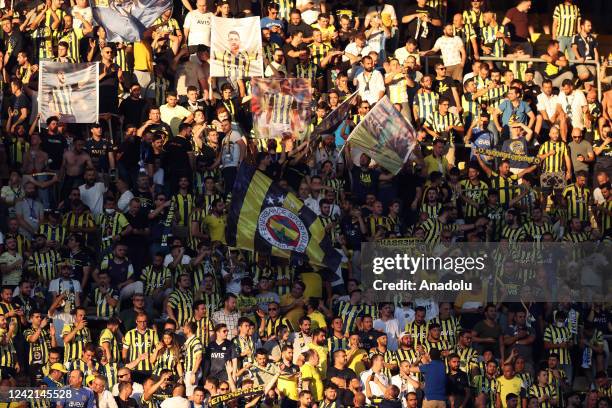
(519, 25)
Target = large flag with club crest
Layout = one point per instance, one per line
(267, 218)
(385, 135)
(127, 20)
(68, 91)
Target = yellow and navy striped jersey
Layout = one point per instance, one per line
(213, 302)
(426, 103)
(350, 314)
(107, 336)
(468, 360)
(536, 231)
(449, 329)
(474, 18)
(513, 234)
(576, 238)
(155, 278)
(103, 308)
(578, 200)
(555, 162)
(161, 85)
(185, 205)
(200, 270)
(540, 391)
(476, 192)
(72, 220)
(121, 59)
(23, 244)
(405, 355)
(318, 51)
(389, 357)
(74, 349)
(433, 228)
(8, 355)
(471, 108)
(604, 391)
(488, 38)
(431, 210)
(236, 66)
(440, 123)
(488, 386)
(418, 332)
(110, 372)
(494, 96)
(605, 216)
(192, 349)
(373, 221)
(308, 70)
(43, 265)
(204, 328)
(53, 233)
(441, 345)
(270, 326)
(167, 360)
(110, 226)
(506, 187)
(72, 37)
(18, 149)
(269, 48)
(567, 17)
(335, 343)
(39, 348)
(83, 367)
(138, 343)
(558, 335)
(285, 272)
(181, 302)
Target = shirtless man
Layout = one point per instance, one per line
(607, 105)
(76, 160)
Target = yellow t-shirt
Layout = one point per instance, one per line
(323, 352)
(356, 364)
(216, 227)
(312, 374)
(143, 56)
(314, 285)
(432, 164)
(288, 386)
(294, 314)
(326, 33)
(512, 386)
(317, 320)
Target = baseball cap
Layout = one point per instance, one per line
(59, 367)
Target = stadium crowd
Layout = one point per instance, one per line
(117, 279)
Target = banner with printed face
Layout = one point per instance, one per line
(235, 45)
(68, 91)
(280, 107)
(385, 136)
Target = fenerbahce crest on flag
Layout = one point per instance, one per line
(266, 218)
(126, 20)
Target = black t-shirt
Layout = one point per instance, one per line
(98, 150)
(346, 373)
(133, 110)
(216, 357)
(146, 200)
(364, 181)
(291, 61)
(303, 27)
(352, 232)
(131, 152)
(444, 88)
(457, 385)
(175, 156)
(160, 127)
(417, 25)
(130, 403)
(54, 146)
(19, 102)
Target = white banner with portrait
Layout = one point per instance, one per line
(235, 48)
(68, 91)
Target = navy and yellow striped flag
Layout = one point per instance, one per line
(267, 218)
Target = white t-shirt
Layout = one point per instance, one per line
(93, 197)
(124, 201)
(376, 390)
(173, 116)
(572, 105)
(184, 261)
(175, 402)
(548, 103)
(391, 327)
(199, 27)
(402, 54)
(309, 16)
(450, 47)
(370, 88)
(84, 12)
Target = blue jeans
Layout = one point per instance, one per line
(565, 43)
